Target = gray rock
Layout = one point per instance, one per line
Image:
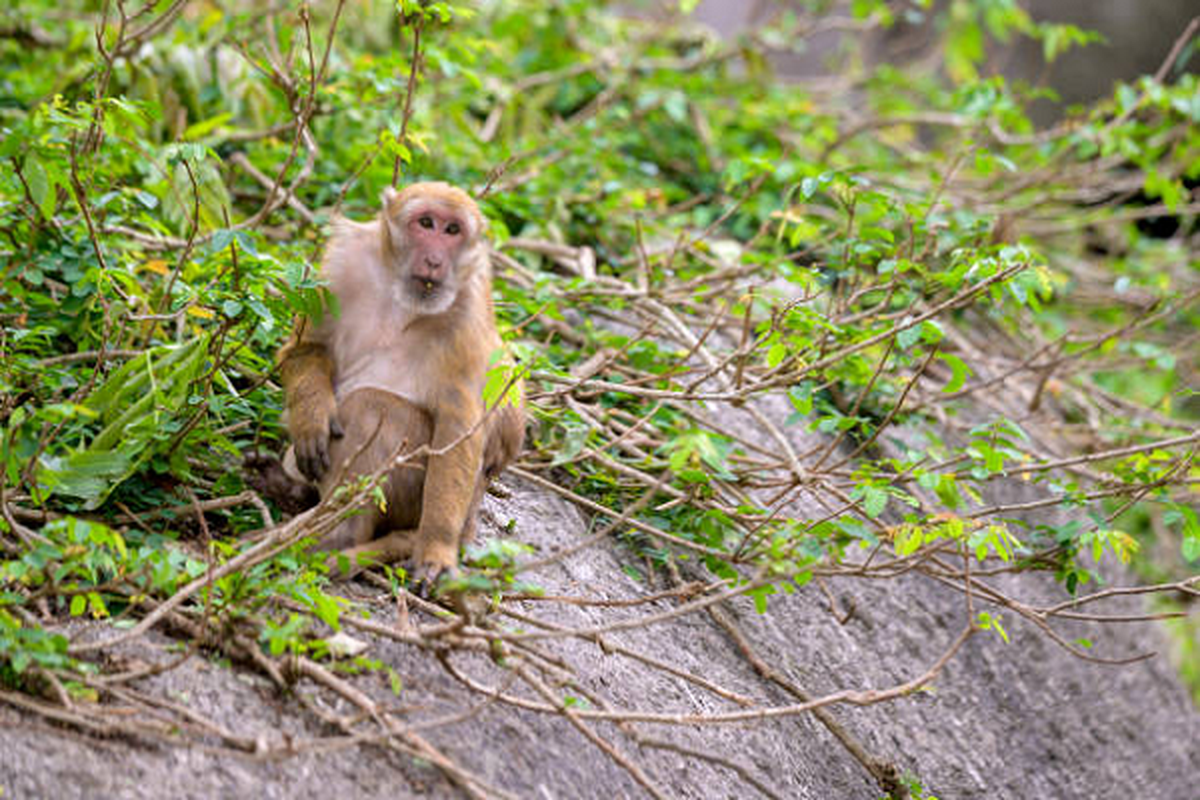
(1022, 719)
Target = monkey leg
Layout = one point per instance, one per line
(505, 435)
(378, 426)
(458, 476)
(405, 499)
(396, 545)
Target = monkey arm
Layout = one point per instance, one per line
(307, 373)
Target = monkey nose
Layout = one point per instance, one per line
(432, 269)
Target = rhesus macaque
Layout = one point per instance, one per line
(403, 365)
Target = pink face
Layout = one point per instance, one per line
(435, 238)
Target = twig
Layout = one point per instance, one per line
(409, 93)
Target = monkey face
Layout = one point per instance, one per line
(434, 246)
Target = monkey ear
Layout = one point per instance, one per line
(389, 194)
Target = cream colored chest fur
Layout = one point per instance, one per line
(370, 356)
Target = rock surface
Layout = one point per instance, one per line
(1022, 719)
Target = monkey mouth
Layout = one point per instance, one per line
(426, 287)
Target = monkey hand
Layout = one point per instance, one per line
(311, 430)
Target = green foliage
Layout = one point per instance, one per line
(23, 645)
(493, 570)
(992, 622)
(162, 211)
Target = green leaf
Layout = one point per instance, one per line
(97, 605)
(906, 338)
(205, 127)
(959, 372)
(874, 500)
(220, 240)
(87, 475)
(41, 188)
(801, 396)
(1189, 522)
(988, 621)
(1191, 548)
(246, 242)
(135, 402)
(931, 332)
(131, 380)
(501, 386)
(327, 610)
(760, 595)
(909, 539)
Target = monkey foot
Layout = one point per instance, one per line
(428, 578)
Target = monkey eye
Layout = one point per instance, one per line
(453, 228)
(426, 222)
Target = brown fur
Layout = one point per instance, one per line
(403, 364)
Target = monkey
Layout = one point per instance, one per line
(400, 369)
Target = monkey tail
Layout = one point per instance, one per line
(280, 481)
